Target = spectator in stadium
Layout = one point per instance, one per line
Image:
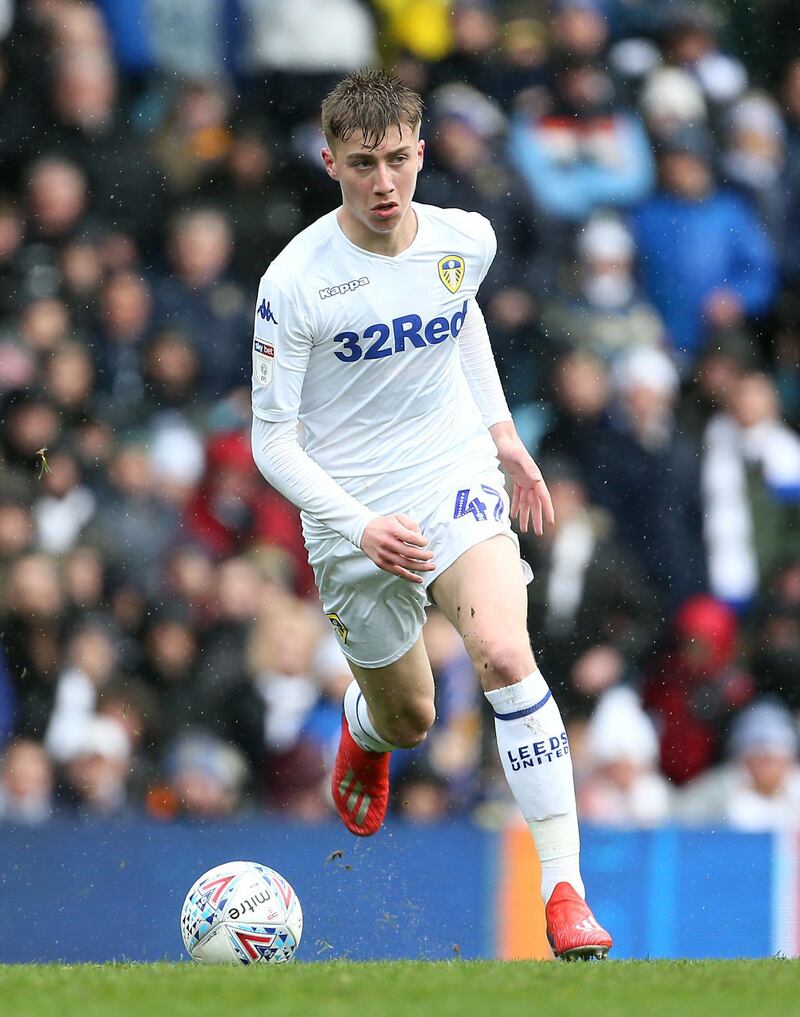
(753, 161)
(68, 381)
(671, 100)
(204, 778)
(26, 783)
(579, 29)
(717, 372)
(582, 153)
(190, 579)
(57, 198)
(261, 192)
(170, 371)
(64, 505)
(695, 685)
(97, 771)
(704, 259)
(88, 125)
(758, 788)
(239, 594)
(475, 58)
(643, 469)
(265, 715)
(689, 38)
(233, 511)
(134, 524)
(299, 67)
(30, 423)
(17, 528)
(123, 324)
(169, 671)
(420, 795)
(198, 297)
(774, 635)
(592, 617)
(620, 784)
(751, 489)
(81, 266)
(44, 321)
(602, 308)
(90, 661)
(32, 630)
(580, 394)
(193, 138)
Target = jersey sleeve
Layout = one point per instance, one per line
(489, 240)
(480, 368)
(281, 347)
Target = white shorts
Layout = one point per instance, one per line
(378, 616)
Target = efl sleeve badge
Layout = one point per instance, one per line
(263, 359)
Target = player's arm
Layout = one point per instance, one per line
(281, 349)
(530, 499)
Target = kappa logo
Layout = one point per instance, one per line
(451, 271)
(348, 287)
(339, 626)
(265, 312)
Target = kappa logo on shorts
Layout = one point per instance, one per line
(338, 625)
(451, 271)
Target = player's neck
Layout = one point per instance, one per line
(387, 244)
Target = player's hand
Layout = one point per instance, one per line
(530, 500)
(396, 545)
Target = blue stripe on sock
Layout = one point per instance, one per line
(524, 713)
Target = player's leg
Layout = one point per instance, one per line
(385, 708)
(483, 594)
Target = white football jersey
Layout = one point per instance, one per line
(362, 349)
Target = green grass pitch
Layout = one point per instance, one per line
(768, 988)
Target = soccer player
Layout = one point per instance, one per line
(368, 334)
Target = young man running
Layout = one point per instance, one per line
(367, 332)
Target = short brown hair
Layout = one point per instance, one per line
(371, 102)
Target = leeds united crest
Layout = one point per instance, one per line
(451, 271)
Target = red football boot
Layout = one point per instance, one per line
(360, 785)
(572, 929)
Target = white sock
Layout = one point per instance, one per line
(535, 755)
(360, 723)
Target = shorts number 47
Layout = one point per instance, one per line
(465, 505)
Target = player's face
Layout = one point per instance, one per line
(377, 187)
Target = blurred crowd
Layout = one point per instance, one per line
(162, 650)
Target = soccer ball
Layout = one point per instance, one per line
(241, 913)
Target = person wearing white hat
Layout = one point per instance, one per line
(622, 785)
(605, 311)
(98, 769)
(758, 788)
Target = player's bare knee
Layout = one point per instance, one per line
(503, 661)
(408, 726)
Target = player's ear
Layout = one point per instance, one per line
(329, 163)
(420, 153)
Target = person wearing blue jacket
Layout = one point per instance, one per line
(704, 259)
